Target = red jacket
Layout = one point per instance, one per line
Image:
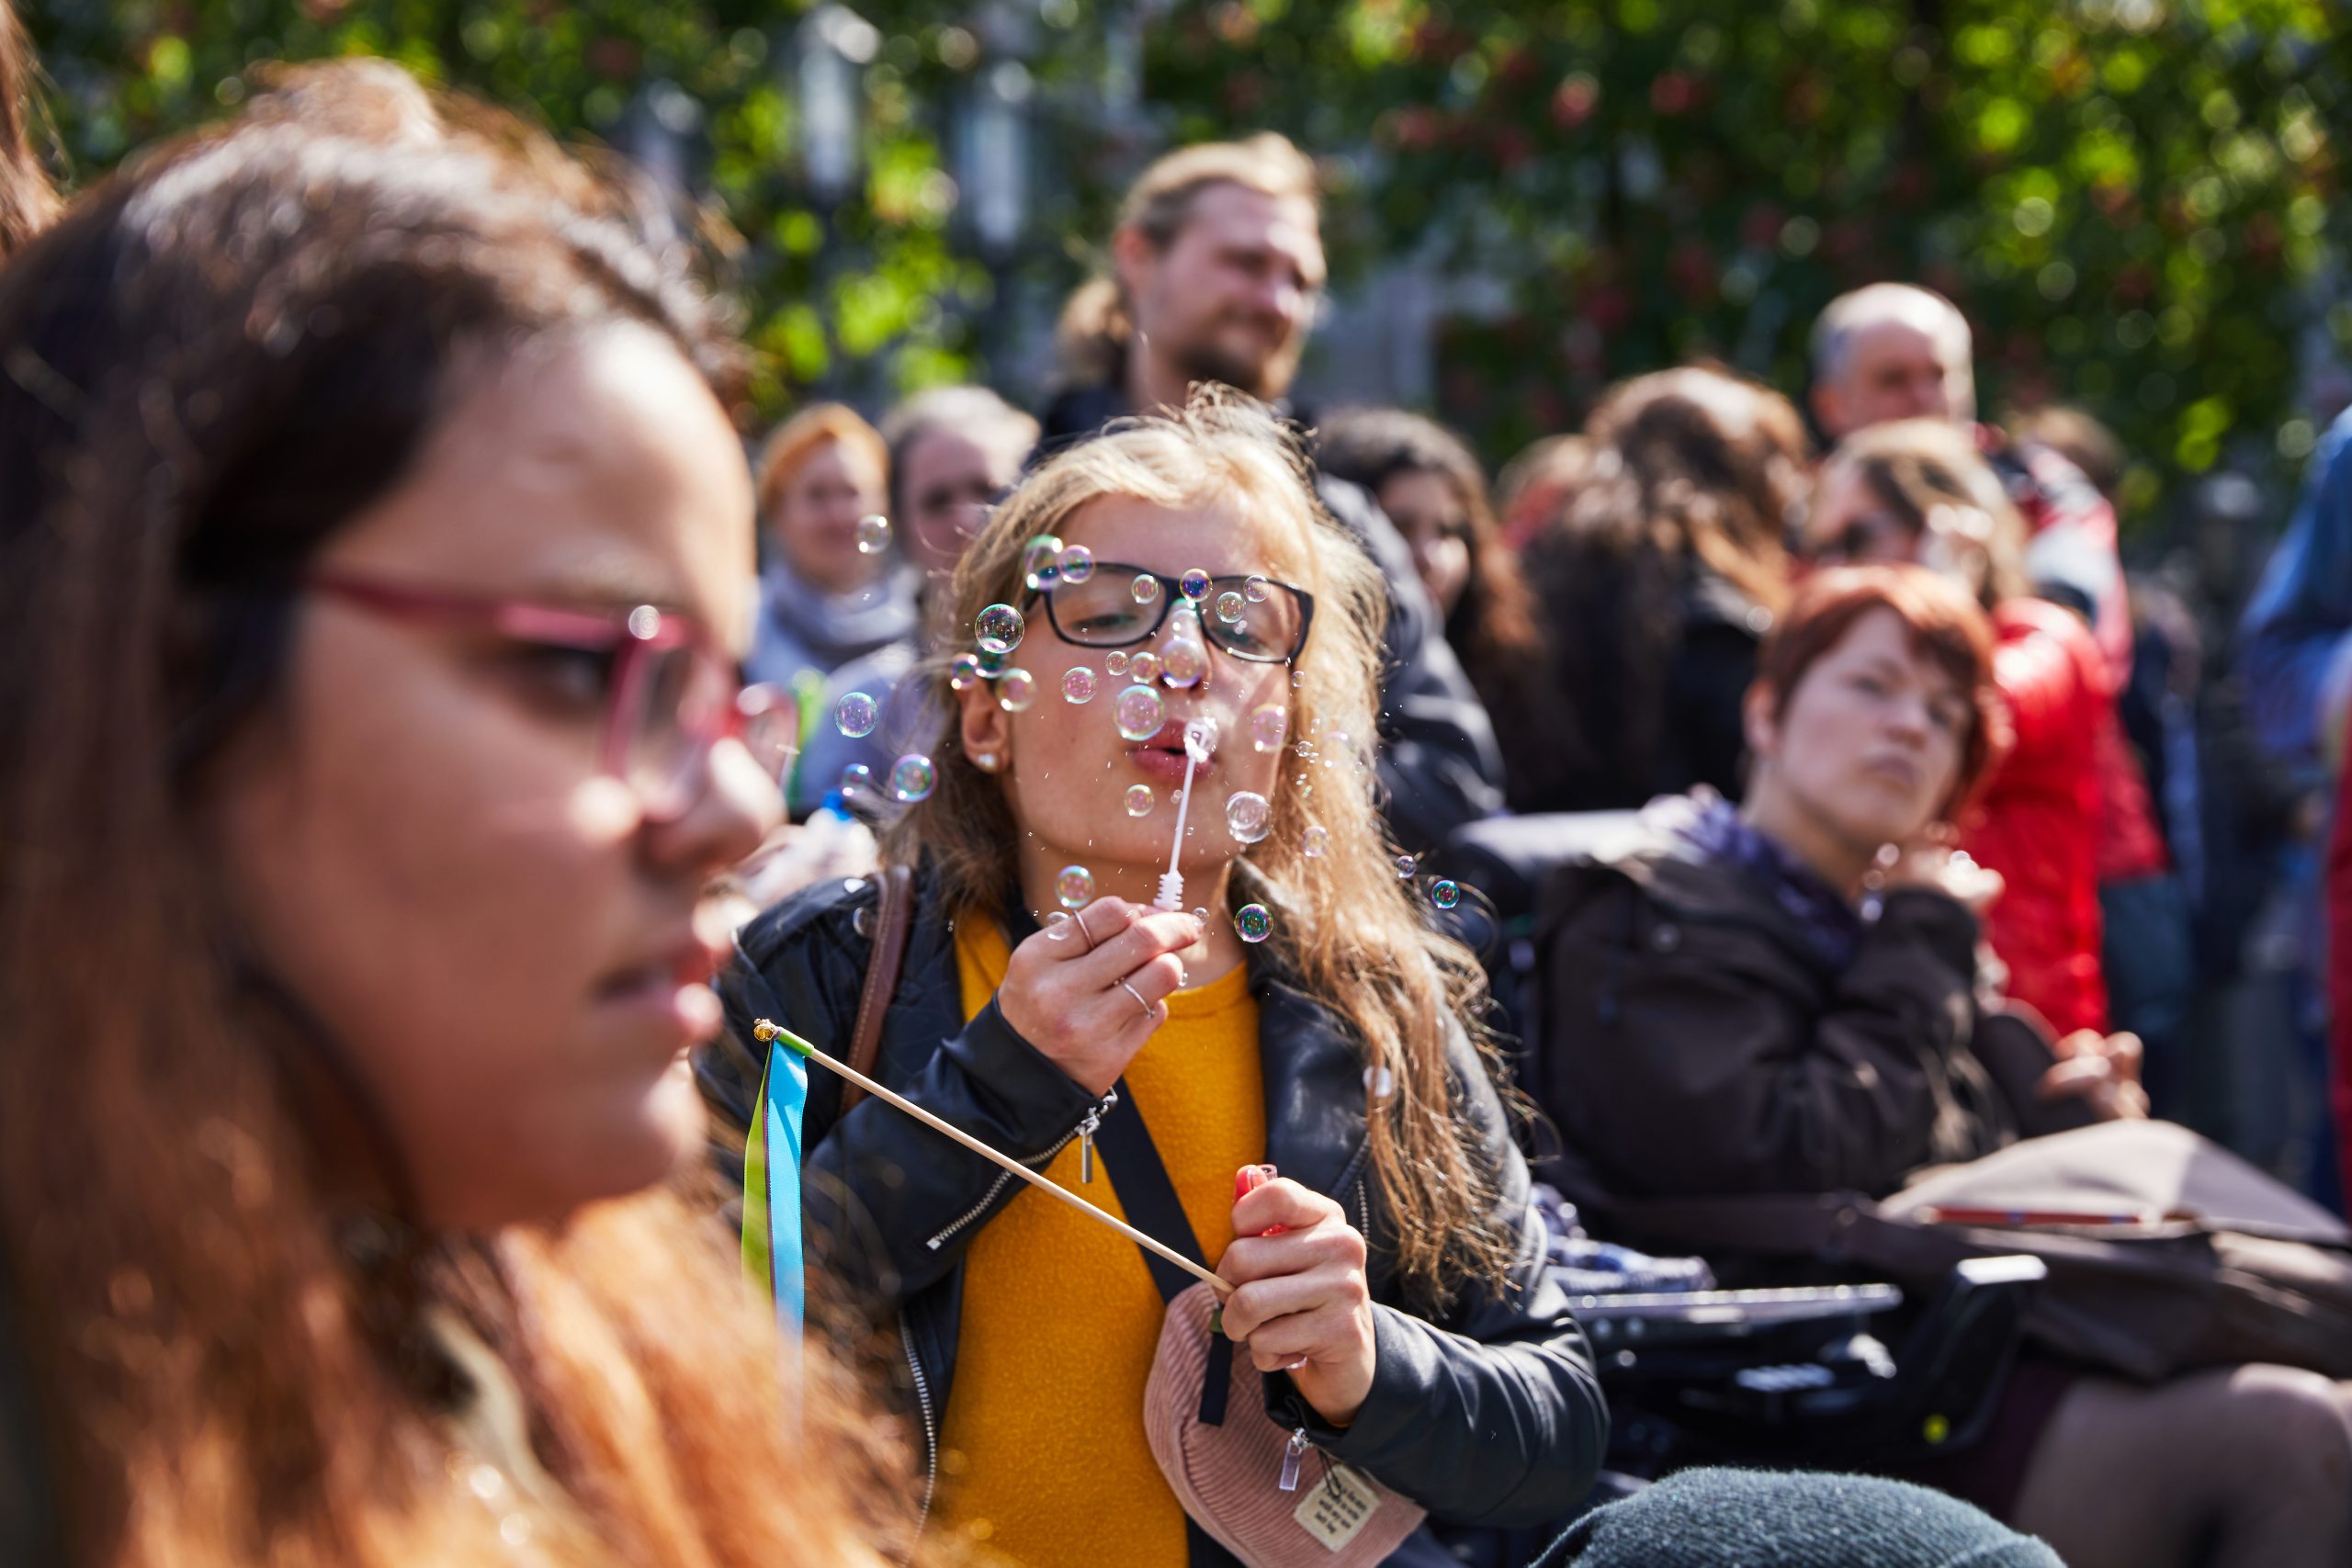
(2037, 822)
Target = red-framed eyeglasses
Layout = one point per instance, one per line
(670, 693)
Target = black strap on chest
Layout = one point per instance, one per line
(1149, 1196)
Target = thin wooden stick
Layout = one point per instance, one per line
(765, 1030)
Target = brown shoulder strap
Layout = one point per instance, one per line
(894, 916)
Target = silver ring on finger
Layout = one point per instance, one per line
(1149, 1010)
(1080, 916)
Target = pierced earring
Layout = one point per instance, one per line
(986, 762)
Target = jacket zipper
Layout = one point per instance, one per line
(930, 1437)
(1085, 1129)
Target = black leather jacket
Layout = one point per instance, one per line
(1488, 1414)
(1438, 762)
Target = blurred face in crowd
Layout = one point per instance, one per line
(814, 521)
(1429, 511)
(949, 479)
(1910, 362)
(1233, 296)
(1850, 523)
(424, 846)
(1068, 767)
(1867, 749)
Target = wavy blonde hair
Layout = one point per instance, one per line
(1346, 927)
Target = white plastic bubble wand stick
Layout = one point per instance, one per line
(1196, 751)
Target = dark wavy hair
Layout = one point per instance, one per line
(1492, 626)
(1695, 476)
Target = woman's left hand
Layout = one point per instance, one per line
(1301, 1301)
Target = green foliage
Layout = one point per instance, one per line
(2133, 199)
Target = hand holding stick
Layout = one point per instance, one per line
(765, 1032)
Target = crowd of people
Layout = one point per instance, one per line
(433, 763)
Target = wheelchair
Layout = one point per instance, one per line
(1834, 1376)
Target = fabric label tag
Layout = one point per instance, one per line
(1336, 1511)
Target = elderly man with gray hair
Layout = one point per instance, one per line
(1893, 350)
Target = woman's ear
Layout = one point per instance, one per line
(984, 727)
(1759, 723)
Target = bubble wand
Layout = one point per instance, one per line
(1196, 751)
(766, 1032)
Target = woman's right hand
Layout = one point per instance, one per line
(1089, 992)
(1939, 868)
(2102, 1071)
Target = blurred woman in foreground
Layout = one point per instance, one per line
(375, 551)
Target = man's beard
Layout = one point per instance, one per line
(1264, 376)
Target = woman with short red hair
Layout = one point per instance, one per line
(1783, 998)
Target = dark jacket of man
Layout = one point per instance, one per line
(891, 1205)
(1696, 1042)
(1438, 761)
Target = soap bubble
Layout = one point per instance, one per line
(1247, 815)
(1186, 662)
(1252, 923)
(1193, 585)
(992, 664)
(1077, 564)
(999, 629)
(1146, 587)
(1015, 690)
(965, 674)
(1077, 685)
(1229, 605)
(1256, 589)
(1267, 727)
(1115, 662)
(1146, 668)
(1058, 923)
(1074, 887)
(1140, 800)
(873, 534)
(1316, 840)
(1040, 563)
(1201, 917)
(1139, 712)
(857, 714)
(1444, 895)
(856, 778)
(912, 779)
(1405, 866)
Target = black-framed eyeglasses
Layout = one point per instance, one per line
(1253, 618)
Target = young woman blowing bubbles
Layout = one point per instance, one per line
(1401, 1313)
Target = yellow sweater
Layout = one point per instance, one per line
(1043, 1458)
